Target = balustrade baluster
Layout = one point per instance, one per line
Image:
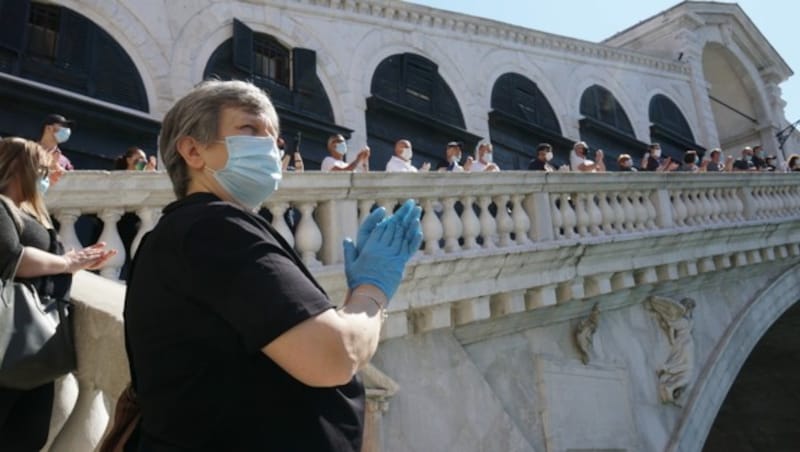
(522, 224)
(650, 223)
(607, 214)
(706, 207)
(148, 216)
(630, 213)
(470, 223)
(388, 204)
(680, 211)
(715, 205)
(595, 215)
(278, 211)
(110, 235)
(308, 237)
(452, 226)
(619, 212)
(555, 214)
(488, 223)
(641, 211)
(581, 214)
(431, 227)
(504, 222)
(691, 207)
(738, 205)
(364, 208)
(66, 233)
(568, 220)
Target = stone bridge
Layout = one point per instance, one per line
(546, 312)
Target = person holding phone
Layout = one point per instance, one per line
(134, 159)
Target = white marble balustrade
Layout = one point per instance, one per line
(462, 212)
(496, 245)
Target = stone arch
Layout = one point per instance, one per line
(682, 107)
(191, 56)
(134, 38)
(375, 47)
(753, 91)
(729, 355)
(500, 62)
(584, 76)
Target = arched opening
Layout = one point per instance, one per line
(290, 78)
(731, 92)
(606, 126)
(762, 407)
(44, 45)
(669, 128)
(521, 117)
(411, 100)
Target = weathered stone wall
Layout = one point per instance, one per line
(468, 390)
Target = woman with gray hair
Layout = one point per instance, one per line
(232, 343)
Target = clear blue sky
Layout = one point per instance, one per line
(595, 20)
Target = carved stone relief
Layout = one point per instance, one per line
(675, 319)
(584, 334)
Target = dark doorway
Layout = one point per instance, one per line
(762, 409)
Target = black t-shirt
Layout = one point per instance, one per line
(35, 235)
(743, 165)
(212, 285)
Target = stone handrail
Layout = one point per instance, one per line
(495, 245)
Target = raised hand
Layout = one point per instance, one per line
(89, 258)
(381, 258)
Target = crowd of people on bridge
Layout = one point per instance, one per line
(56, 130)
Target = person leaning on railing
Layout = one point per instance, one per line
(233, 345)
(29, 244)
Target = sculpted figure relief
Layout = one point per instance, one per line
(584, 334)
(675, 318)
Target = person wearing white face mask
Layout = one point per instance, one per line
(652, 160)
(544, 155)
(483, 159)
(56, 130)
(401, 160)
(452, 161)
(232, 343)
(337, 147)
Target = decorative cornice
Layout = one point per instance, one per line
(436, 19)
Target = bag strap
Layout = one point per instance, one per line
(11, 272)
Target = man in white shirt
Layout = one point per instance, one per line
(483, 159)
(401, 160)
(579, 162)
(337, 147)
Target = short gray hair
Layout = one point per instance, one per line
(197, 115)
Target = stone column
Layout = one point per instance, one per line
(688, 42)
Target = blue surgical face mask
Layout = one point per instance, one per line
(62, 134)
(341, 148)
(253, 170)
(44, 184)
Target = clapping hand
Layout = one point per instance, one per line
(384, 247)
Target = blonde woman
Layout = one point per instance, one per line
(24, 177)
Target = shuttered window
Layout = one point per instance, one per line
(62, 48)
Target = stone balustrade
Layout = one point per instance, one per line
(495, 245)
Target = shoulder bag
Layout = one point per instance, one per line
(36, 337)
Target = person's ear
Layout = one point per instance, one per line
(189, 149)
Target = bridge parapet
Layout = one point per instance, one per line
(496, 245)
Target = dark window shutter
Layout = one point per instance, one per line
(242, 46)
(72, 51)
(305, 68)
(13, 23)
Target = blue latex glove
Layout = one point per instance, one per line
(368, 226)
(388, 247)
